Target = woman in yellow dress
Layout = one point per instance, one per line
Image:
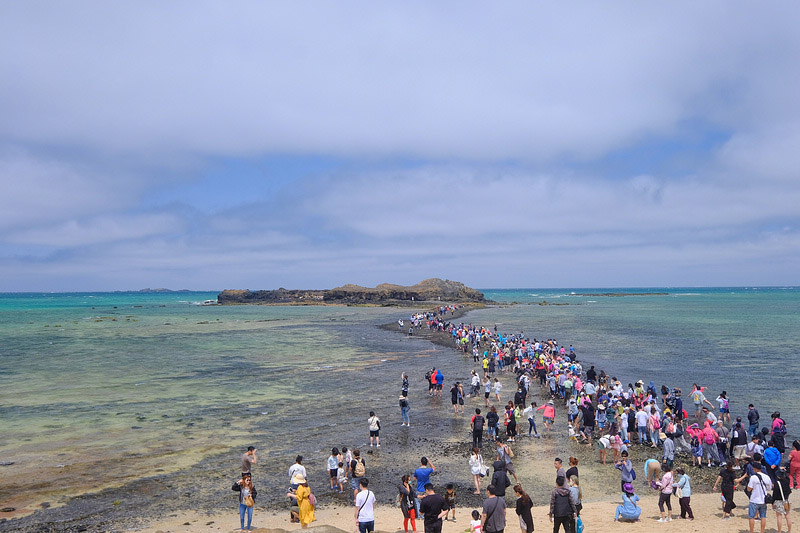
(306, 509)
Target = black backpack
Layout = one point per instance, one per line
(478, 423)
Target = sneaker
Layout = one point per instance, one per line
(662, 519)
(669, 519)
(379, 445)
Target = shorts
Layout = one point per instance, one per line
(364, 527)
(333, 472)
(510, 469)
(589, 430)
(461, 401)
(486, 395)
(572, 417)
(355, 482)
(757, 510)
(779, 507)
(724, 410)
(438, 387)
(548, 420)
(738, 451)
(375, 433)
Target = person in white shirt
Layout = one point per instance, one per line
(760, 484)
(530, 412)
(295, 469)
(365, 508)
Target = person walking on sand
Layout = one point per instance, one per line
(249, 458)
(374, 429)
(727, 480)
(780, 504)
(665, 494)
(523, 508)
(247, 497)
(493, 518)
(408, 505)
(433, 507)
(562, 508)
(365, 507)
(683, 491)
(760, 485)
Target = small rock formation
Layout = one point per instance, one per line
(429, 290)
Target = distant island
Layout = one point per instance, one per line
(429, 290)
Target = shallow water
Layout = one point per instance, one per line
(105, 389)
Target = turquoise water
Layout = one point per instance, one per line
(131, 383)
(742, 340)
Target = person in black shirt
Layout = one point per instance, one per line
(433, 507)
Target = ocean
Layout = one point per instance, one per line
(130, 385)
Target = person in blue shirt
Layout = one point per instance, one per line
(423, 476)
(629, 510)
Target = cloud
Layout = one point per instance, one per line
(615, 144)
(422, 80)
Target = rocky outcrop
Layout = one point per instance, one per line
(385, 294)
(279, 296)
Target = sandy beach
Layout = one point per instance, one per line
(597, 516)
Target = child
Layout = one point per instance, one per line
(497, 388)
(333, 460)
(341, 476)
(475, 524)
(450, 498)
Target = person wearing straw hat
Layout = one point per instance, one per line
(305, 509)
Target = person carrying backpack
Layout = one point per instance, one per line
(477, 429)
(562, 508)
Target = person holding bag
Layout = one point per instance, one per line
(477, 468)
(247, 497)
(760, 485)
(781, 505)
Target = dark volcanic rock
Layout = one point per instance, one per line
(433, 289)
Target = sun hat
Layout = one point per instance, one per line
(628, 487)
(298, 479)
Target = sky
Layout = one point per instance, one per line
(213, 145)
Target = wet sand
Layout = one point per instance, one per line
(168, 502)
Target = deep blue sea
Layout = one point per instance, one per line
(136, 383)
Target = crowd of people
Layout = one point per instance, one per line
(597, 410)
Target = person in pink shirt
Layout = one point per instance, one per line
(794, 465)
(666, 493)
(549, 414)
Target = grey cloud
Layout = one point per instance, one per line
(425, 80)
